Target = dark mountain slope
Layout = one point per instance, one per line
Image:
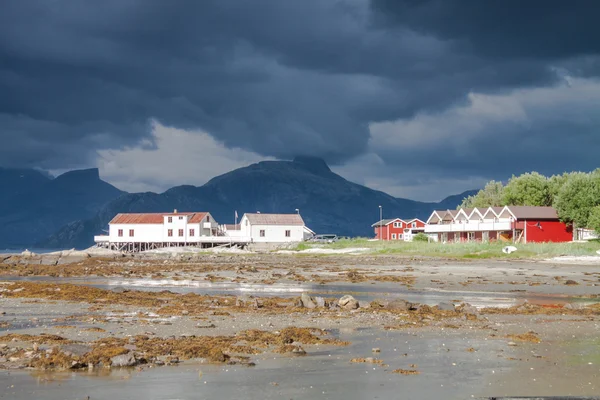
(30, 215)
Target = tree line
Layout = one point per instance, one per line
(574, 195)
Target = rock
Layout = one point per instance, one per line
(571, 282)
(307, 301)
(74, 348)
(376, 350)
(185, 312)
(299, 351)
(348, 302)
(3, 345)
(399, 305)
(320, 301)
(124, 360)
(13, 359)
(36, 347)
(511, 343)
(445, 306)
(469, 309)
(574, 306)
(119, 289)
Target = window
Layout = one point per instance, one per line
(288, 233)
(262, 233)
(400, 236)
(246, 223)
(394, 236)
(180, 218)
(192, 232)
(208, 218)
(120, 232)
(170, 233)
(414, 224)
(181, 233)
(170, 220)
(131, 233)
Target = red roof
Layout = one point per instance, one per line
(154, 218)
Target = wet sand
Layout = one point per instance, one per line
(530, 328)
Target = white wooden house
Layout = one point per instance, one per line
(143, 231)
(269, 228)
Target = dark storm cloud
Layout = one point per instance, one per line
(275, 77)
(534, 29)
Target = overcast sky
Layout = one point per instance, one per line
(421, 99)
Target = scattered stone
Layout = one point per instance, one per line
(446, 306)
(399, 305)
(320, 301)
(124, 360)
(376, 350)
(307, 301)
(209, 326)
(511, 343)
(298, 351)
(574, 306)
(348, 302)
(571, 282)
(468, 309)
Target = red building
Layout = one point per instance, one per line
(520, 224)
(398, 229)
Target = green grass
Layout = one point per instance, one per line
(469, 250)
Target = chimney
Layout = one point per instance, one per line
(175, 211)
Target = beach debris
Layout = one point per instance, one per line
(509, 249)
(406, 371)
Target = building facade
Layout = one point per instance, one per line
(398, 229)
(272, 228)
(144, 231)
(521, 224)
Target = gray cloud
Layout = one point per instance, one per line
(281, 78)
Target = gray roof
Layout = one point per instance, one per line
(275, 219)
(531, 212)
(383, 222)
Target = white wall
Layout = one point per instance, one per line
(142, 233)
(276, 233)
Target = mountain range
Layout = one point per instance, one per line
(69, 210)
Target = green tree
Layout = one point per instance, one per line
(577, 197)
(530, 189)
(594, 219)
(490, 196)
(556, 182)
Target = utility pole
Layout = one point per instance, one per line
(380, 223)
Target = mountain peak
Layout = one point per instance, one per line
(313, 164)
(83, 174)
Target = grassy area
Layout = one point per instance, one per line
(474, 250)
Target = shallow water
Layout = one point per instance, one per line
(361, 291)
(447, 371)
